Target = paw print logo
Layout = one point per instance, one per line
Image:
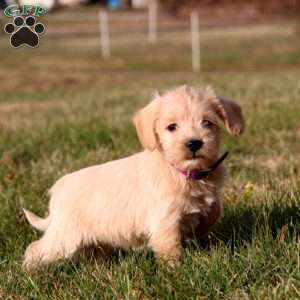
(24, 31)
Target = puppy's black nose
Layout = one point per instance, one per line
(194, 145)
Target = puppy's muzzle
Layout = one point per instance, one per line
(194, 145)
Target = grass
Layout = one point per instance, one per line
(63, 108)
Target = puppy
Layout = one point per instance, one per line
(154, 198)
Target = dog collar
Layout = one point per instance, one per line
(199, 174)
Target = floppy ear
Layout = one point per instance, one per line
(231, 115)
(144, 121)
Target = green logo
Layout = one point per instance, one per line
(24, 10)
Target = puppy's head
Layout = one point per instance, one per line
(184, 125)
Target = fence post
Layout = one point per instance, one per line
(152, 21)
(195, 41)
(104, 34)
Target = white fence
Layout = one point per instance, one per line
(153, 33)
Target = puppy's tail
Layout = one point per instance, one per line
(35, 221)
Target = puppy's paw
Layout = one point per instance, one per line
(172, 257)
(174, 263)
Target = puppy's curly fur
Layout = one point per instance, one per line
(144, 199)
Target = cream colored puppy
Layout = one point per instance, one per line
(154, 198)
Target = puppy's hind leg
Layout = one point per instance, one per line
(54, 245)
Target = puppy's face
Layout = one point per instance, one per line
(184, 125)
(187, 130)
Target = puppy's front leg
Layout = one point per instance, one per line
(166, 244)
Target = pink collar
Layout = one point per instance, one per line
(200, 174)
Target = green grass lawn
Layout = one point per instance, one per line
(63, 108)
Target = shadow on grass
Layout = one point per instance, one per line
(243, 223)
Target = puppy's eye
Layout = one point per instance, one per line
(172, 127)
(207, 124)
